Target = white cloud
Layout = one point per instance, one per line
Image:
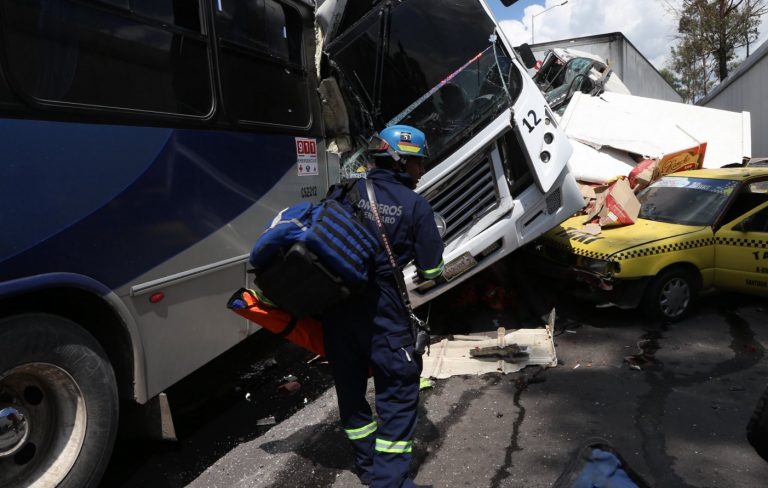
(648, 24)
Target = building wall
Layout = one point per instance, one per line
(637, 73)
(745, 90)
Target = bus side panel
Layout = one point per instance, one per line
(141, 205)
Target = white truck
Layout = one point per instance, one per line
(498, 175)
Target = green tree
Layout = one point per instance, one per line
(709, 33)
(673, 80)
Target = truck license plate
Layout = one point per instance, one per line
(459, 266)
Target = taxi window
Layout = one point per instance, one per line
(759, 187)
(757, 222)
(687, 201)
(751, 196)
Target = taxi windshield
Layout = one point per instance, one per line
(686, 201)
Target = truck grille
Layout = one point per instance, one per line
(465, 197)
(554, 201)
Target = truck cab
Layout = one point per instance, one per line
(498, 175)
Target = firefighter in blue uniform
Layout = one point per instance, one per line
(373, 332)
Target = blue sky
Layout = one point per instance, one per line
(512, 12)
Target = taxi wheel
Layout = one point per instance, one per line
(670, 295)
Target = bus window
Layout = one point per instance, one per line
(6, 95)
(78, 53)
(181, 13)
(262, 68)
(117, 3)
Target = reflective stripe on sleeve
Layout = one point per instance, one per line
(429, 274)
(361, 432)
(395, 447)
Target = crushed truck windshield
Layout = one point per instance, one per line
(438, 69)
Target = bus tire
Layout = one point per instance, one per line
(58, 395)
(670, 295)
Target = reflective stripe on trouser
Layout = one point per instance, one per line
(361, 432)
(386, 348)
(393, 447)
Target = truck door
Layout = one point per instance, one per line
(545, 145)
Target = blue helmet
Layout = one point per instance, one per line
(405, 141)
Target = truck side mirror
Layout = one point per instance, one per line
(529, 60)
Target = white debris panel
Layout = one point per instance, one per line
(452, 357)
(654, 128)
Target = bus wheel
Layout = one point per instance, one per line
(58, 404)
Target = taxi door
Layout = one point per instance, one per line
(741, 253)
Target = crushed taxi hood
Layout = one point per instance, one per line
(571, 235)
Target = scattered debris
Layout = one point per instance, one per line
(512, 353)
(288, 388)
(577, 366)
(453, 357)
(267, 421)
(647, 345)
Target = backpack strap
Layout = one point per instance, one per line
(349, 191)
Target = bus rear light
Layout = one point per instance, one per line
(157, 297)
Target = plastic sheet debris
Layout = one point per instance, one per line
(657, 128)
(452, 357)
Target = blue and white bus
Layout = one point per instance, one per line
(143, 145)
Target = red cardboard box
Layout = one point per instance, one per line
(621, 206)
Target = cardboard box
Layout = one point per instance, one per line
(692, 158)
(644, 173)
(596, 202)
(621, 206)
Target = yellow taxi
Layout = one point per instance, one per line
(697, 230)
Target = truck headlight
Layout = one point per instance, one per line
(442, 226)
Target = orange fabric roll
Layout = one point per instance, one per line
(306, 333)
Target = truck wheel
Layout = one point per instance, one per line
(669, 295)
(58, 404)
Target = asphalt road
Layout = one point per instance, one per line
(679, 420)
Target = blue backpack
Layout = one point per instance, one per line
(313, 256)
